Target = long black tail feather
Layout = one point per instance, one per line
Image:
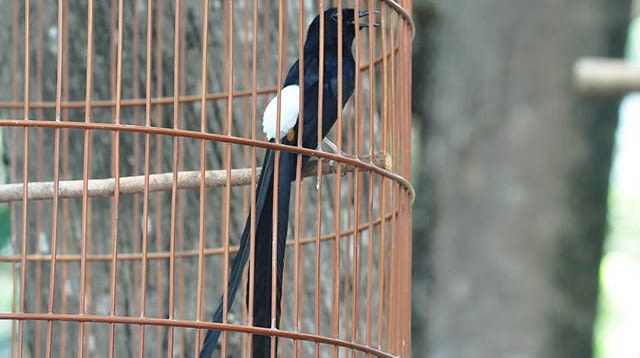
(263, 244)
(261, 345)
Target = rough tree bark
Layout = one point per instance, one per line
(68, 290)
(43, 55)
(515, 185)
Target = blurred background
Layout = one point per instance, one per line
(527, 242)
(527, 221)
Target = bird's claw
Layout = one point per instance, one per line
(333, 147)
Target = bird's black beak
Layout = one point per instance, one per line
(367, 22)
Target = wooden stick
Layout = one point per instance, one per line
(606, 77)
(163, 181)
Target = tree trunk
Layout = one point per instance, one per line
(514, 189)
(95, 285)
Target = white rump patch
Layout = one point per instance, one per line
(289, 110)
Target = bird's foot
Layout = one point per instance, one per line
(334, 148)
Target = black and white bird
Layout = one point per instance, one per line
(288, 132)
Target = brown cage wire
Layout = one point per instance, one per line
(134, 127)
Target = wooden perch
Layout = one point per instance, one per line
(163, 181)
(606, 77)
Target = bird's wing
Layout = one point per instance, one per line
(289, 110)
(290, 99)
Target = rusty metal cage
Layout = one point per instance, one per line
(134, 128)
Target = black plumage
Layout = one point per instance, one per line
(261, 345)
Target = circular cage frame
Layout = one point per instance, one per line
(104, 186)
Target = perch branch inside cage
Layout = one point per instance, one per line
(164, 181)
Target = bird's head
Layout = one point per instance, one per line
(351, 22)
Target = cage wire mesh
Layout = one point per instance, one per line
(112, 113)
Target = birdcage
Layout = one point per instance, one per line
(131, 146)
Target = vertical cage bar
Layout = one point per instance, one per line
(25, 172)
(158, 167)
(298, 182)
(319, 175)
(252, 225)
(65, 175)
(147, 168)
(115, 154)
(37, 334)
(203, 168)
(56, 176)
(177, 33)
(227, 164)
(335, 316)
(15, 19)
(85, 175)
(276, 179)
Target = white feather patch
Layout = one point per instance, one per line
(289, 110)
